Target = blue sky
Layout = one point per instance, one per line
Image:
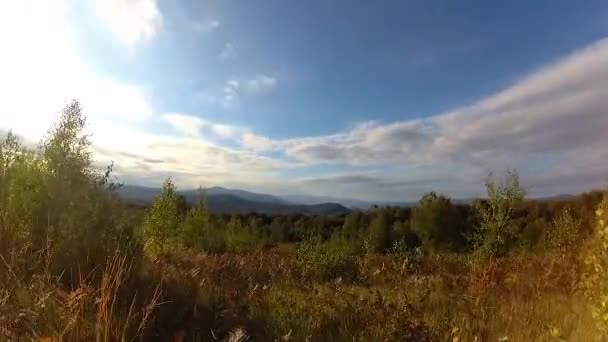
(374, 100)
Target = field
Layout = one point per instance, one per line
(79, 264)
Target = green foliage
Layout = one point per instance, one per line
(198, 230)
(596, 275)
(498, 227)
(351, 229)
(160, 229)
(240, 238)
(56, 199)
(565, 232)
(379, 238)
(327, 261)
(437, 223)
(278, 230)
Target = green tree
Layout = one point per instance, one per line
(351, 229)
(498, 226)
(565, 233)
(56, 197)
(437, 223)
(161, 226)
(380, 232)
(403, 238)
(193, 230)
(12, 160)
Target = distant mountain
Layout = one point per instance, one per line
(348, 202)
(227, 201)
(231, 204)
(142, 193)
(251, 196)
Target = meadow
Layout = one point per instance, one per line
(78, 263)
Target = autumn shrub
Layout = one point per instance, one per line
(326, 261)
(596, 275)
(565, 233)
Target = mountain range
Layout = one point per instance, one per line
(235, 201)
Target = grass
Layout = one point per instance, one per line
(270, 295)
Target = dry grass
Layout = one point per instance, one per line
(38, 306)
(268, 295)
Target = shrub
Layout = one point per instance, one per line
(160, 228)
(498, 227)
(239, 237)
(54, 196)
(200, 230)
(596, 275)
(379, 232)
(326, 261)
(564, 233)
(437, 223)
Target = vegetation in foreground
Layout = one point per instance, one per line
(77, 264)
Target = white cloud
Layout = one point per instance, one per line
(131, 21)
(235, 89)
(184, 124)
(261, 83)
(231, 94)
(206, 26)
(194, 126)
(191, 161)
(257, 142)
(227, 51)
(559, 113)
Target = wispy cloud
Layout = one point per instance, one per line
(227, 51)
(194, 126)
(261, 83)
(206, 26)
(235, 89)
(131, 21)
(558, 113)
(231, 93)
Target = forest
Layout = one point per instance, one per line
(80, 263)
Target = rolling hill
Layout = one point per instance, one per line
(229, 201)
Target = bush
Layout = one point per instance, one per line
(201, 231)
(240, 238)
(498, 227)
(379, 238)
(438, 223)
(596, 275)
(565, 232)
(54, 199)
(161, 226)
(327, 261)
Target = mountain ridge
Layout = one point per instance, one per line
(234, 201)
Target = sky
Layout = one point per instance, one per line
(375, 100)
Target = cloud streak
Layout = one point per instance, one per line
(558, 113)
